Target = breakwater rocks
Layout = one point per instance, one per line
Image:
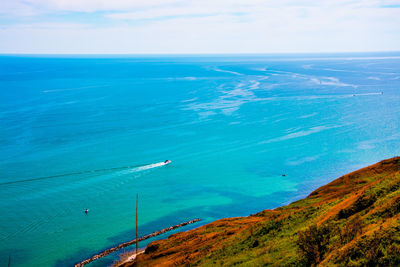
(129, 243)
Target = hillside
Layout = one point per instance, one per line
(352, 221)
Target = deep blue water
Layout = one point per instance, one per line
(232, 125)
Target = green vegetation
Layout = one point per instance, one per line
(352, 221)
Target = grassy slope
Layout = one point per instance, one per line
(351, 221)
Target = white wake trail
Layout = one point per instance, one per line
(146, 167)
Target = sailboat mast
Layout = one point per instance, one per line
(137, 235)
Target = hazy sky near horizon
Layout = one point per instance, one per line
(198, 26)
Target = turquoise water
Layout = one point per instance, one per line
(89, 127)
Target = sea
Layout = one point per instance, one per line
(244, 133)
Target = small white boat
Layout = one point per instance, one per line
(167, 162)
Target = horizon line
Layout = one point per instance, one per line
(199, 54)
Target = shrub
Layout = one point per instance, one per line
(350, 231)
(268, 227)
(313, 243)
(360, 204)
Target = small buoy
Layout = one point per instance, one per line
(283, 174)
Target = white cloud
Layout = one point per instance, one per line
(163, 13)
(50, 26)
(194, 26)
(188, 6)
(16, 8)
(81, 5)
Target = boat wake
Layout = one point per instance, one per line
(150, 166)
(147, 167)
(378, 93)
(123, 170)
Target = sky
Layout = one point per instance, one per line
(198, 26)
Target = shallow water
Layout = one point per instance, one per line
(85, 132)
